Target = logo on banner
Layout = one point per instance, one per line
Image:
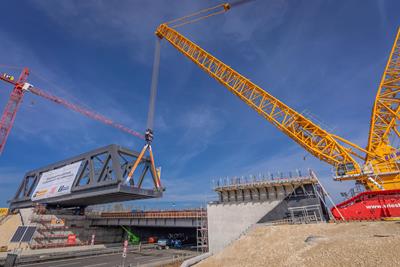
(57, 221)
(52, 190)
(63, 188)
(39, 194)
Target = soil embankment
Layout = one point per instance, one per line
(345, 244)
(8, 227)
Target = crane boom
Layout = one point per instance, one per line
(380, 169)
(386, 110)
(322, 144)
(10, 111)
(86, 112)
(20, 86)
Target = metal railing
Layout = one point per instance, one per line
(154, 214)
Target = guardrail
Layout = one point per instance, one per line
(153, 214)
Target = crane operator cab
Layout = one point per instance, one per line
(345, 169)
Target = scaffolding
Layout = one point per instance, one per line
(202, 232)
(53, 232)
(306, 214)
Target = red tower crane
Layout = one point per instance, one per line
(21, 86)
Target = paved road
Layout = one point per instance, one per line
(112, 260)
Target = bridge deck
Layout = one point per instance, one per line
(166, 218)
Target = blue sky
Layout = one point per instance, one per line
(326, 57)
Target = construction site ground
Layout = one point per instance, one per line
(343, 244)
(98, 255)
(8, 225)
(146, 258)
(58, 252)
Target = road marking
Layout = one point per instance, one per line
(52, 262)
(138, 257)
(65, 264)
(72, 259)
(98, 264)
(162, 259)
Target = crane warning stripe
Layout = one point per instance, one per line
(56, 182)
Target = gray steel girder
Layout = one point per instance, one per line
(100, 179)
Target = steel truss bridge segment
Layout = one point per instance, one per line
(325, 146)
(100, 179)
(386, 109)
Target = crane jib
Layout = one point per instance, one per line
(309, 135)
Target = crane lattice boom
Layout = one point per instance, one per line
(379, 168)
(309, 135)
(386, 110)
(10, 111)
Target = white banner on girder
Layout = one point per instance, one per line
(56, 182)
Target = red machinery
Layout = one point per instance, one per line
(369, 205)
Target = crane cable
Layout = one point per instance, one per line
(199, 15)
(153, 87)
(150, 124)
(205, 13)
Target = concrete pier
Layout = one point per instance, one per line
(242, 204)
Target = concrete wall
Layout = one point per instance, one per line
(26, 215)
(227, 221)
(241, 207)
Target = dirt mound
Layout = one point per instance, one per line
(346, 244)
(8, 227)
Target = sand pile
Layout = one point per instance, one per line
(8, 227)
(346, 244)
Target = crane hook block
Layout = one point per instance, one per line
(149, 135)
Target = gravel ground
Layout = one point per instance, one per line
(345, 244)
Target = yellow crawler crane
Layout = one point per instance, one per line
(377, 167)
